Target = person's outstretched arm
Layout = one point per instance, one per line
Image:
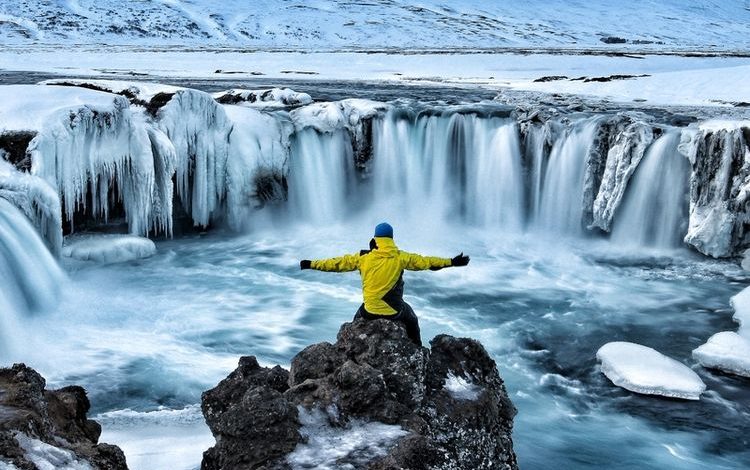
(415, 262)
(340, 264)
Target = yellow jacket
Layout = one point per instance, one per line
(381, 270)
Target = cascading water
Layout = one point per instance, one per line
(473, 167)
(31, 278)
(654, 212)
(450, 165)
(321, 175)
(561, 199)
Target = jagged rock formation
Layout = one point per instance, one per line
(446, 406)
(719, 189)
(42, 429)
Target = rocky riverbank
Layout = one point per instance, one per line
(42, 429)
(371, 400)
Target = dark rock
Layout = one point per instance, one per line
(373, 373)
(613, 40)
(248, 407)
(13, 145)
(614, 77)
(157, 102)
(55, 417)
(550, 78)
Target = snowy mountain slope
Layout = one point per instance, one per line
(375, 24)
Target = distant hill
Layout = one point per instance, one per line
(382, 24)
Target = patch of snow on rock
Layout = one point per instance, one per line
(726, 351)
(47, 457)
(139, 90)
(461, 388)
(273, 97)
(644, 370)
(108, 248)
(328, 447)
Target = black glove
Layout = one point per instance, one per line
(305, 264)
(460, 260)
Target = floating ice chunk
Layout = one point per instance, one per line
(273, 97)
(644, 370)
(48, 457)
(327, 447)
(741, 305)
(108, 248)
(726, 351)
(461, 388)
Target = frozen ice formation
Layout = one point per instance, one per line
(729, 351)
(148, 154)
(108, 248)
(644, 370)
(726, 351)
(719, 186)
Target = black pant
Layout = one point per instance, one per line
(406, 317)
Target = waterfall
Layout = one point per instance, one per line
(655, 209)
(31, 278)
(456, 165)
(321, 175)
(561, 199)
(486, 166)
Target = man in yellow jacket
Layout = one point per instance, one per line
(382, 268)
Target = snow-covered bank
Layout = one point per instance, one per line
(654, 79)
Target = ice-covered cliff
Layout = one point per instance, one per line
(149, 154)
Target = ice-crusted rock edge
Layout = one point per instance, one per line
(644, 370)
(49, 428)
(372, 379)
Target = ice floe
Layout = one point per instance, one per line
(108, 248)
(726, 351)
(644, 370)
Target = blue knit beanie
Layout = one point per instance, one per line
(384, 230)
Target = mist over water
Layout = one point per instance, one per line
(147, 337)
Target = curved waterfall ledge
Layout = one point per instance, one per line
(149, 155)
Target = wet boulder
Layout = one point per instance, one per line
(42, 428)
(373, 399)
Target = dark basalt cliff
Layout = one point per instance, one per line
(48, 428)
(448, 403)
